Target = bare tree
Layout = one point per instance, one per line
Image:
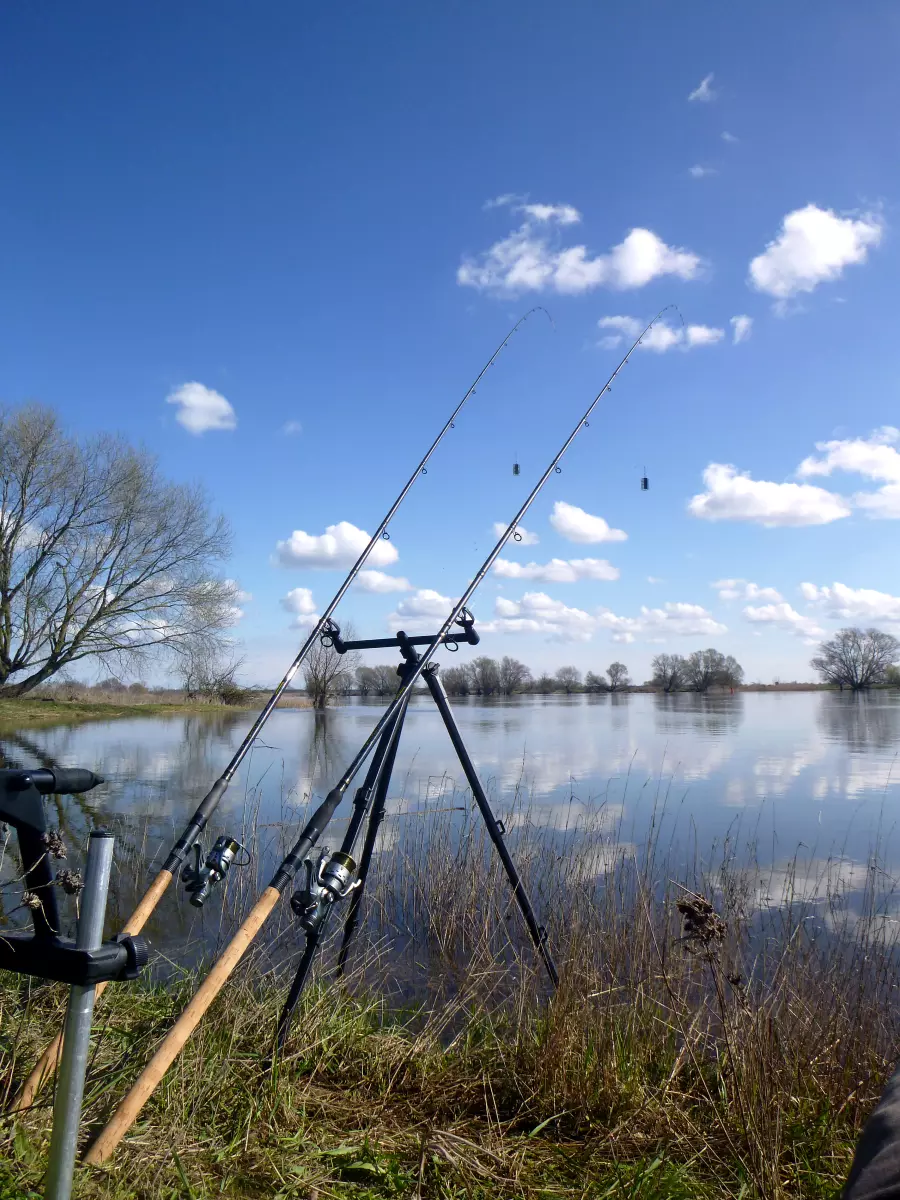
(209, 674)
(514, 676)
(856, 658)
(100, 557)
(731, 673)
(545, 683)
(701, 669)
(669, 672)
(386, 679)
(568, 678)
(618, 676)
(365, 680)
(485, 675)
(457, 681)
(328, 673)
(596, 683)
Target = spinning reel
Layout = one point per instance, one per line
(200, 880)
(328, 878)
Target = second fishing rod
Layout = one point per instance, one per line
(172, 1045)
(202, 876)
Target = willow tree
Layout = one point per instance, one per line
(100, 557)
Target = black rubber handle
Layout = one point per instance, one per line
(63, 781)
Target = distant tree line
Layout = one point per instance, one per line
(857, 658)
(696, 672)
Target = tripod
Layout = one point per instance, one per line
(330, 878)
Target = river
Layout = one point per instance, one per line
(760, 773)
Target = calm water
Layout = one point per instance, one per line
(774, 770)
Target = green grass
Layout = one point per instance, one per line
(690, 1051)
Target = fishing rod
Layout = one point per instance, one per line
(173, 1043)
(200, 879)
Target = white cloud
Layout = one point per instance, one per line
(201, 409)
(536, 612)
(859, 605)
(527, 538)
(875, 457)
(525, 261)
(563, 214)
(884, 504)
(734, 496)
(784, 617)
(425, 610)
(813, 247)
(291, 428)
(701, 172)
(660, 338)
(576, 525)
(558, 570)
(299, 601)
(339, 546)
(741, 589)
(653, 579)
(381, 583)
(704, 90)
(658, 624)
(729, 137)
(741, 328)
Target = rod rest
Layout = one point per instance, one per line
(44, 953)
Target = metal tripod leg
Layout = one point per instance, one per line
(377, 776)
(494, 827)
(376, 816)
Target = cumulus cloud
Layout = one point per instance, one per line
(814, 246)
(784, 617)
(874, 457)
(381, 583)
(299, 601)
(700, 172)
(291, 428)
(704, 90)
(659, 624)
(527, 538)
(742, 589)
(537, 612)
(528, 259)
(558, 570)
(425, 610)
(339, 546)
(660, 338)
(201, 409)
(576, 525)
(733, 496)
(859, 605)
(741, 328)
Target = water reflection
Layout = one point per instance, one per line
(811, 768)
(861, 720)
(714, 714)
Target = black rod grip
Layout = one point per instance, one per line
(64, 781)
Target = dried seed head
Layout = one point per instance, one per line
(71, 882)
(703, 927)
(31, 900)
(53, 840)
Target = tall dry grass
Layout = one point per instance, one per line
(721, 1029)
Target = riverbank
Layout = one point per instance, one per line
(693, 1050)
(35, 712)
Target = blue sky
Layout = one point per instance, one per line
(275, 243)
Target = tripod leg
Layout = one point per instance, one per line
(494, 828)
(379, 771)
(376, 816)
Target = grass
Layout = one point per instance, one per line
(701, 1044)
(32, 712)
